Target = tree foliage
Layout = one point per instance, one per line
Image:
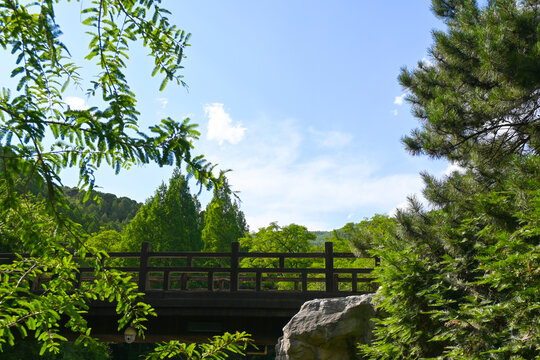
(363, 236)
(107, 240)
(218, 348)
(224, 222)
(170, 219)
(34, 114)
(479, 101)
(274, 238)
(103, 211)
(460, 281)
(68, 351)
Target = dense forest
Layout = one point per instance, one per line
(102, 211)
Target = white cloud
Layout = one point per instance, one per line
(331, 139)
(427, 62)
(278, 182)
(76, 103)
(398, 100)
(220, 125)
(312, 191)
(394, 112)
(163, 101)
(401, 206)
(454, 167)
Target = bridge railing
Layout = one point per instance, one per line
(241, 271)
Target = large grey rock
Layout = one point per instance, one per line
(327, 329)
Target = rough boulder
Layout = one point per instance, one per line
(327, 329)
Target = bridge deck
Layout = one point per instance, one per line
(196, 316)
(197, 295)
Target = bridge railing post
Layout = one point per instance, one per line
(143, 267)
(329, 265)
(374, 285)
(235, 249)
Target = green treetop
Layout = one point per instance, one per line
(274, 238)
(224, 222)
(363, 236)
(169, 219)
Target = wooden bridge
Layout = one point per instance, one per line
(200, 294)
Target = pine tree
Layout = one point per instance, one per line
(224, 222)
(478, 101)
(459, 281)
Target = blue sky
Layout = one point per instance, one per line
(299, 98)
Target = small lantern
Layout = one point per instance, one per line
(130, 334)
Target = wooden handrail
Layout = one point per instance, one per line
(199, 270)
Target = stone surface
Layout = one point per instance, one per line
(327, 329)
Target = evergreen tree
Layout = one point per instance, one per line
(460, 281)
(224, 222)
(169, 219)
(478, 102)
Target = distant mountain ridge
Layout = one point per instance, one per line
(110, 212)
(322, 236)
